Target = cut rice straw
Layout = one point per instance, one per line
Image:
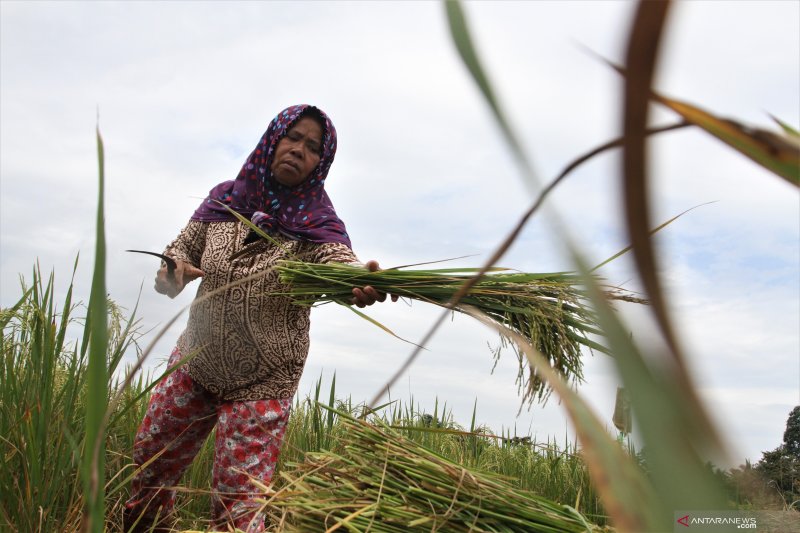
(548, 309)
(384, 482)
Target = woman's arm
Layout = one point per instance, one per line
(339, 253)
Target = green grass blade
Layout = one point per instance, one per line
(546, 308)
(652, 232)
(790, 131)
(778, 154)
(384, 328)
(7, 314)
(258, 231)
(460, 34)
(97, 382)
(676, 432)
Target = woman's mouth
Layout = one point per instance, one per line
(293, 165)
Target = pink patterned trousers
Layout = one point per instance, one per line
(179, 417)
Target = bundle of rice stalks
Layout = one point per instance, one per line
(548, 309)
(383, 482)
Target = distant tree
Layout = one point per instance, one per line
(781, 466)
(791, 437)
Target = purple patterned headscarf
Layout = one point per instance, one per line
(303, 212)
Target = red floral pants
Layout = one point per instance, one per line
(179, 417)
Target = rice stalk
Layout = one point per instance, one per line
(548, 309)
(43, 400)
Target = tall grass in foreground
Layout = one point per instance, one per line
(93, 468)
(42, 419)
(43, 399)
(674, 423)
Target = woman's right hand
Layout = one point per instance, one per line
(173, 284)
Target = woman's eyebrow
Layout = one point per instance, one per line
(302, 134)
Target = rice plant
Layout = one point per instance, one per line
(549, 310)
(43, 398)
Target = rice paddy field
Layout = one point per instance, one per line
(44, 396)
(68, 411)
(44, 377)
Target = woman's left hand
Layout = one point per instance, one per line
(368, 295)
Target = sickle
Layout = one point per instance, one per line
(171, 264)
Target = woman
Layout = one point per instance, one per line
(250, 343)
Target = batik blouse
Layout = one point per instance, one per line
(251, 342)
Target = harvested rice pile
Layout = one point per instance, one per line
(383, 482)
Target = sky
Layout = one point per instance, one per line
(184, 91)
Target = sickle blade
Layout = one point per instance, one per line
(171, 264)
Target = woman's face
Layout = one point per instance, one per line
(298, 153)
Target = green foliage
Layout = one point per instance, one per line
(93, 468)
(791, 436)
(43, 399)
(552, 472)
(43, 382)
(781, 466)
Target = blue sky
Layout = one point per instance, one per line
(185, 90)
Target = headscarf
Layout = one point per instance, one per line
(303, 212)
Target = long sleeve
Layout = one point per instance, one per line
(251, 340)
(188, 246)
(330, 252)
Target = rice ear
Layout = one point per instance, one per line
(547, 309)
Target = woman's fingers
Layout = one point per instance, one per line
(173, 283)
(191, 273)
(374, 295)
(369, 295)
(162, 285)
(366, 296)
